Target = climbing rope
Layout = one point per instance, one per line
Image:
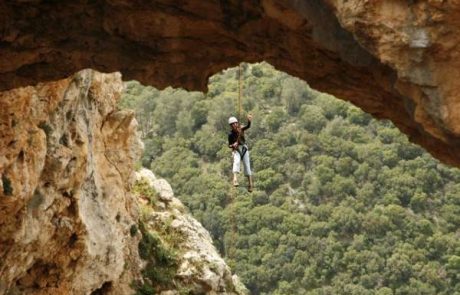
(231, 248)
(240, 90)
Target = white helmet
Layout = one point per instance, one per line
(232, 120)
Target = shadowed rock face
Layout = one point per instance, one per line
(395, 59)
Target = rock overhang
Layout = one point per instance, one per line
(394, 59)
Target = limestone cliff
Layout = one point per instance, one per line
(395, 59)
(67, 214)
(66, 160)
(195, 266)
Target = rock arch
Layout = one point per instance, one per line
(394, 59)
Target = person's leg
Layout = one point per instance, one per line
(247, 164)
(247, 171)
(236, 167)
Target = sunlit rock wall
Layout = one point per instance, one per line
(66, 163)
(68, 216)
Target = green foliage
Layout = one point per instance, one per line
(133, 230)
(7, 188)
(144, 190)
(293, 94)
(356, 116)
(343, 204)
(275, 119)
(161, 262)
(144, 289)
(312, 118)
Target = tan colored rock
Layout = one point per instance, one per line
(67, 158)
(161, 186)
(419, 40)
(200, 268)
(164, 189)
(66, 208)
(395, 59)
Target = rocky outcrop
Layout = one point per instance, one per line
(66, 162)
(68, 217)
(395, 59)
(419, 41)
(198, 267)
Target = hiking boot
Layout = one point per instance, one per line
(250, 184)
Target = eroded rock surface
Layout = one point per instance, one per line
(66, 162)
(68, 217)
(199, 268)
(395, 59)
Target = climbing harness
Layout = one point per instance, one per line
(243, 151)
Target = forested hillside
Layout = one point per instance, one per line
(343, 204)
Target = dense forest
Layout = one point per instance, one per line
(343, 203)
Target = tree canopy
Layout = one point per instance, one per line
(343, 204)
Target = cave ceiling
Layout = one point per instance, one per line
(396, 60)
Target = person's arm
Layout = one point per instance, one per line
(232, 141)
(249, 123)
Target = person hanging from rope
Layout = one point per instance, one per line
(237, 143)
